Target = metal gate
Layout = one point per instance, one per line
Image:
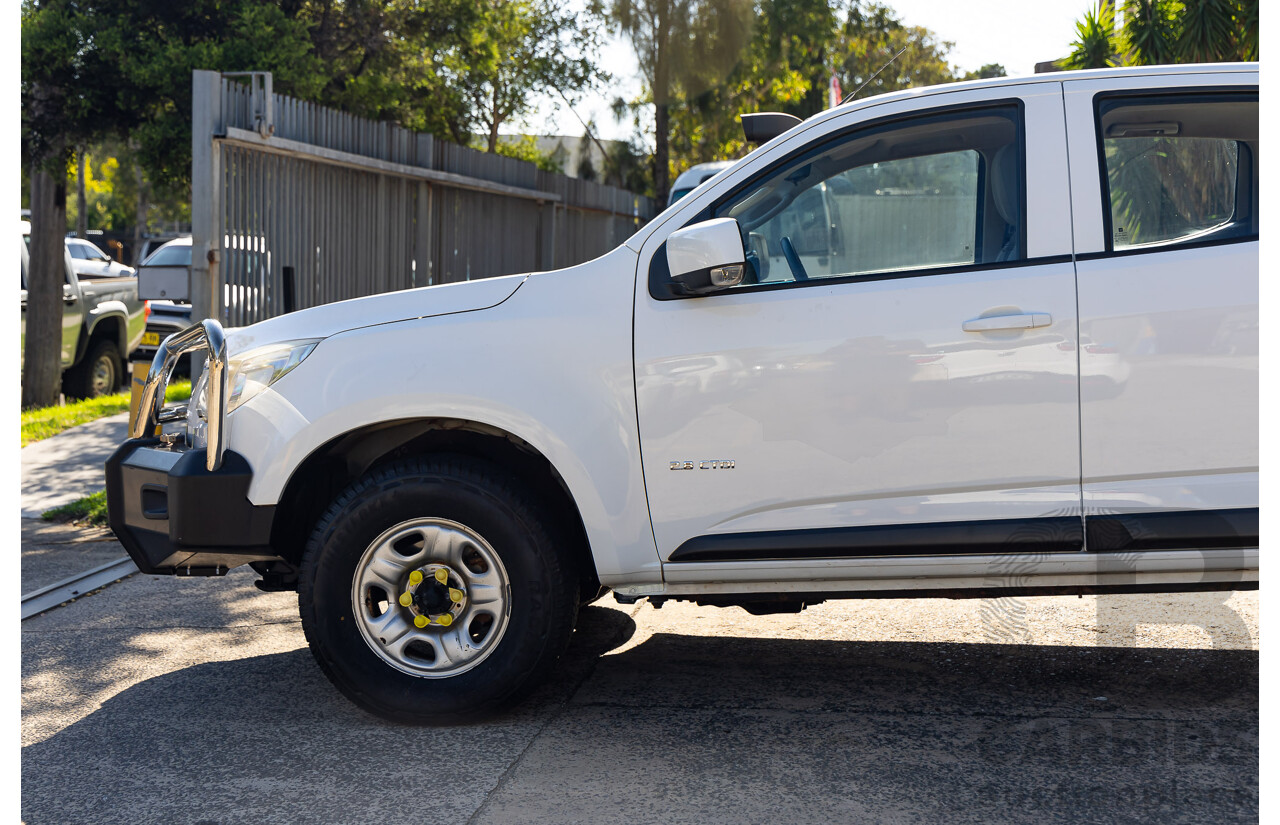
(295, 205)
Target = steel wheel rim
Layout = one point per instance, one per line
(427, 546)
(103, 376)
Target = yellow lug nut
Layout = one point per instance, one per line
(406, 599)
(455, 595)
(442, 576)
(421, 621)
(445, 620)
(415, 577)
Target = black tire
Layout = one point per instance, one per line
(97, 374)
(542, 602)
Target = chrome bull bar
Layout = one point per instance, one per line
(208, 336)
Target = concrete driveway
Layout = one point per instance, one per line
(70, 465)
(196, 701)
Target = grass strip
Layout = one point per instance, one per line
(90, 510)
(43, 422)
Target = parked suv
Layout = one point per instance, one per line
(1010, 348)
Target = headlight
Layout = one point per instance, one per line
(252, 372)
(197, 416)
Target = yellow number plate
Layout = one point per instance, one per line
(151, 339)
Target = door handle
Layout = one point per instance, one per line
(1029, 320)
(69, 299)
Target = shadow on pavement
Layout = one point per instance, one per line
(686, 729)
(268, 739)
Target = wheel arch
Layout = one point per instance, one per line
(324, 473)
(109, 325)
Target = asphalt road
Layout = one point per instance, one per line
(196, 701)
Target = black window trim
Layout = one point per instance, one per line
(659, 273)
(1201, 94)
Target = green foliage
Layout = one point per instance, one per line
(107, 197)
(1168, 31)
(786, 66)
(1150, 29)
(987, 70)
(387, 60)
(1208, 28)
(525, 147)
(96, 69)
(90, 511)
(874, 34)
(42, 422)
(1095, 43)
(516, 48)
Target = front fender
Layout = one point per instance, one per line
(551, 365)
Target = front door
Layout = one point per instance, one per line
(898, 375)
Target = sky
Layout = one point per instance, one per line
(1013, 33)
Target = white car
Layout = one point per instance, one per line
(695, 176)
(91, 262)
(1011, 349)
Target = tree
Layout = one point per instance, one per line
(519, 47)
(872, 36)
(52, 119)
(1150, 31)
(793, 48)
(123, 67)
(681, 46)
(986, 71)
(1168, 31)
(387, 59)
(1095, 43)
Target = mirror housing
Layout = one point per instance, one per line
(706, 257)
(763, 127)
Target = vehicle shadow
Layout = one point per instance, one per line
(682, 728)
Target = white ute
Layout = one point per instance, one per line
(990, 338)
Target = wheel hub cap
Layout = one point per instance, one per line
(431, 597)
(436, 593)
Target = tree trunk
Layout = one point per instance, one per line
(661, 104)
(140, 216)
(42, 355)
(661, 164)
(493, 125)
(82, 216)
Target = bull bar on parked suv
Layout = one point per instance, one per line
(175, 508)
(206, 335)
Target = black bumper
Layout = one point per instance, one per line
(174, 516)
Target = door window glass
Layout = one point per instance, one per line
(935, 192)
(1179, 169)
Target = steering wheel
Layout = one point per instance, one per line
(793, 260)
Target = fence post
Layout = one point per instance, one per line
(206, 197)
(547, 239)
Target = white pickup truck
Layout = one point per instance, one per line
(991, 338)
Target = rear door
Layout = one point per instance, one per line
(1165, 189)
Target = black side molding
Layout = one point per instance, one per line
(1030, 535)
(1174, 530)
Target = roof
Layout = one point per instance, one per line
(1051, 77)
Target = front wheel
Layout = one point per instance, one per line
(95, 376)
(436, 591)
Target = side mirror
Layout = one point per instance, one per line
(706, 257)
(763, 127)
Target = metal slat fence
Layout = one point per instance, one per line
(326, 206)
